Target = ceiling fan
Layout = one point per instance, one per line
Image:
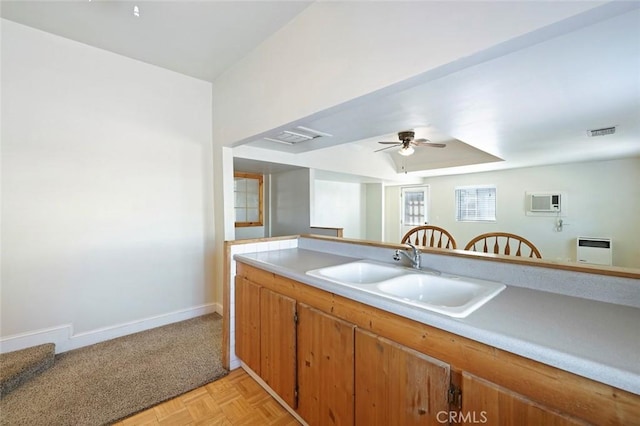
(407, 142)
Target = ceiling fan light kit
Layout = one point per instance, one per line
(406, 150)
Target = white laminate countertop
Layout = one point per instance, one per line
(597, 340)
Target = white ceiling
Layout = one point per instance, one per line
(527, 103)
(197, 38)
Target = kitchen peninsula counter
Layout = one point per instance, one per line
(594, 339)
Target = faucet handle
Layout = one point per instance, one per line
(396, 256)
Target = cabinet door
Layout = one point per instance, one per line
(278, 344)
(396, 385)
(325, 368)
(488, 403)
(247, 321)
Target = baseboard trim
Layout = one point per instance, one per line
(235, 363)
(66, 340)
(37, 337)
(271, 392)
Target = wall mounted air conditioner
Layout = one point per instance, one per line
(545, 203)
(551, 203)
(596, 251)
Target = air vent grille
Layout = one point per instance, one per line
(297, 135)
(601, 132)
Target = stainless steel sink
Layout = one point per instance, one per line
(447, 294)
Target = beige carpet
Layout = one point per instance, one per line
(20, 366)
(103, 383)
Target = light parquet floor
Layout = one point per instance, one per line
(236, 399)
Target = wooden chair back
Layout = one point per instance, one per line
(429, 236)
(503, 243)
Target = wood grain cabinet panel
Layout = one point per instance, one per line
(396, 385)
(488, 403)
(278, 344)
(247, 322)
(325, 368)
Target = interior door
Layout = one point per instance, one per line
(414, 207)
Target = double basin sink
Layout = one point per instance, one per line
(446, 294)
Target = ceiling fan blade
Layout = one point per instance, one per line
(430, 144)
(388, 143)
(382, 149)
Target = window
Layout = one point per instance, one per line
(414, 206)
(476, 204)
(247, 189)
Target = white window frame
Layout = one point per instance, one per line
(424, 220)
(476, 215)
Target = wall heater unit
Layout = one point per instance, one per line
(596, 251)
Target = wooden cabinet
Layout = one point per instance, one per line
(266, 337)
(486, 402)
(247, 323)
(325, 368)
(303, 354)
(398, 385)
(278, 344)
(389, 365)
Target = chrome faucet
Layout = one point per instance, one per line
(414, 257)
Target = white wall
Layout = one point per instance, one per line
(107, 197)
(224, 214)
(603, 201)
(340, 205)
(392, 213)
(374, 211)
(249, 232)
(290, 202)
(358, 208)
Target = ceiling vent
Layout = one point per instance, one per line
(297, 135)
(601, 132)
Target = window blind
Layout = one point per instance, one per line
(476, 204)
